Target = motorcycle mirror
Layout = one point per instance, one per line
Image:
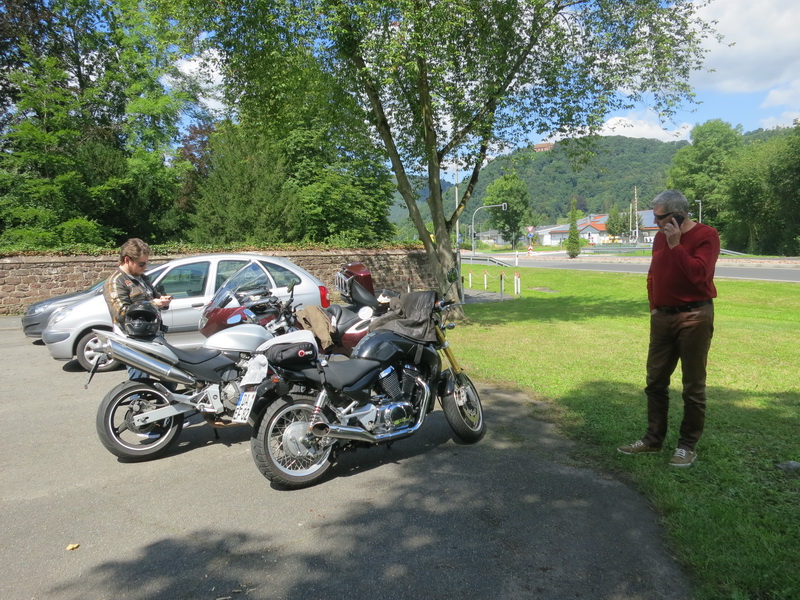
(292, 284)
(234, 319)
(365, 312)
(452, 275)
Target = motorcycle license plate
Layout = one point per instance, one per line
(243, 408)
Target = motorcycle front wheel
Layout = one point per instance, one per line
(283, 449)
(464, 412)
(118, 432)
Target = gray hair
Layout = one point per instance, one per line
(671, 201)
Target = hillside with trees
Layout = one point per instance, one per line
(599, 182)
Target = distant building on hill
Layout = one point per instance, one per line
(543, 147)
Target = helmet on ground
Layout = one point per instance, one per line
(143, 320)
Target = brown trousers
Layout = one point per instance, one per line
(684, 336)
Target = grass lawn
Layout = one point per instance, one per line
(578, 341)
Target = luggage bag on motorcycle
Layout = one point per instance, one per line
(292, 354)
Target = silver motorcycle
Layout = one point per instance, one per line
(226, 382)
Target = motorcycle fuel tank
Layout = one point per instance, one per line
(246, 337)
(389, 347)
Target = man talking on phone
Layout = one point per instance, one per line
(680, 288)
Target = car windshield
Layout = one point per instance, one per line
(248, 281)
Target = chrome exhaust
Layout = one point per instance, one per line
(346, 432)
(146, 363)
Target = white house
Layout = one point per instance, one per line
(593, 230)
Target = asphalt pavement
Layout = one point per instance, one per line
(510, 517)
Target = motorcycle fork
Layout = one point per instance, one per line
(445, 349)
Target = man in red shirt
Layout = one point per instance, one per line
(680, 287)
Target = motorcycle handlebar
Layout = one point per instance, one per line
(442, 304)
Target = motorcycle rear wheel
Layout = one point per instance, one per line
(281, 449)
(116, 429)
(464, 412)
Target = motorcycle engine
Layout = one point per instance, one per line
(395, 415)
(394, 407)
(230, 394)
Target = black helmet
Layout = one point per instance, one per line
(143, 320)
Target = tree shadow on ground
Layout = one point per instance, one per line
(500, 518)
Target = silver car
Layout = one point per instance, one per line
(191, 282)
(38, 314)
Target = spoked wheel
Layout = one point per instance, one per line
(284, 450)
(118, 432)
(464, 412)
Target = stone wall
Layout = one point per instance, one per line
(27, 279)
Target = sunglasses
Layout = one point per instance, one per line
(660, 217)
(141, 264)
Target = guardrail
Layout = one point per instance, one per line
(483, 259)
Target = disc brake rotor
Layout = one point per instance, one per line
(462, 400)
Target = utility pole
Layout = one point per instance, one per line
(636, 212)
(503, 205)
(458, 243)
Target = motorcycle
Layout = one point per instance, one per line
(245, 300)
(354, 284)
(226, 382)
(381, 394)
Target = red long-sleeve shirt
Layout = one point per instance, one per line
(684, 273)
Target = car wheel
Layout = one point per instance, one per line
(88, 352)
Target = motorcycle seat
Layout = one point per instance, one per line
(362, 297)
(344, 319)
(195, 356)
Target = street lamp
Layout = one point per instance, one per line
(504, 206)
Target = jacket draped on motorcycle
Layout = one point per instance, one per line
(410, 315)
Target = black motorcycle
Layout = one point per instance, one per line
(379, 395)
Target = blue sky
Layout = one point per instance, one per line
(754, 83)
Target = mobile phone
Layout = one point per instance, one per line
(678, 218)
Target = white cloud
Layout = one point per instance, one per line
(785, 119)
(766, 46)
(786, 95)
(644, 125)
(204, 69)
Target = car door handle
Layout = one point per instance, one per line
(200, 305)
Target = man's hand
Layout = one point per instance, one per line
(162, 302)
(673, 232)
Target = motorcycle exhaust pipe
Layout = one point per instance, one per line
(146, 363)
(346, 432)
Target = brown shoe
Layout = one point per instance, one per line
(682, 458)
(638, 447)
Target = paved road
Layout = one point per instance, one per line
(510, 517)
(785, 270)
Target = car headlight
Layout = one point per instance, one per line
(37, 310)
(59, 315)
